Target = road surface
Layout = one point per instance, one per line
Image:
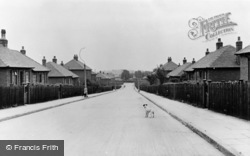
(112, 125)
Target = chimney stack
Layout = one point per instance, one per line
(169, 59)
(54, 59)
(23, 51)
(219, 44)
(44, 61)
(3, 40)
(62, 64)
(239, 44)
(76, 57)
(184, 60)
(207, 52)
(193, 61)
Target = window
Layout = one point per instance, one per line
(21, 77)
(27, 77)
(15, 77)
(11, 77)
(40, 78)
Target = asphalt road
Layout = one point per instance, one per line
(111, 124)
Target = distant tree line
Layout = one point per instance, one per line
(126, 74)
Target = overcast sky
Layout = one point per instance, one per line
(117, 34)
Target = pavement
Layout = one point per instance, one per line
(229, 134)
(14, 112)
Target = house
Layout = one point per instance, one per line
(178, 74)
(243, 56)
(169, 66)
(16, 68)
(77, 67)
(93, 76)
(220, 65)
(102, 79)
(59, 74)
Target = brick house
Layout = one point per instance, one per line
(169, 66)
(243, 56)
(220, 65)
(178, 74)
(59, 74)
(16, 68)
(93, 76)
(77, 67)
(103, 79)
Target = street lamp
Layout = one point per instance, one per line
(85, 75)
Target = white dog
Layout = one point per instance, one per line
(149, 111)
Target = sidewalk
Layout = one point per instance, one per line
(225, 132)
(14, 112)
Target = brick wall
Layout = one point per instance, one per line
(81, 75)
(3, 77)
(224, 74)
(56, 80)
(244, 68)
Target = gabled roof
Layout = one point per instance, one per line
(15, 59)
(179, 71)
(221, 58)
(59, 71)
(76, 65)
(169, 66)
(102, 76)
(245, 50)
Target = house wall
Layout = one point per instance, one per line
(3, 77)
(14, 76)
(39, 77)
(81, 75)
(231, 74)
(56, 80)
(224, 74)
(244, 68)
(93, 77)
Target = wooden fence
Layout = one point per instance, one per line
(231, 98)
(19, 95)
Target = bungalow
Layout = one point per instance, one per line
(169, 66)
(244, 59)
(216, 66)
(58, 74)
(102, 79)
(77, 67)
(16, 68)
(178, 74)
(93, 76)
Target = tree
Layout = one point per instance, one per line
(125, 75)
(152, 78)
(138, 74)
(160, 74)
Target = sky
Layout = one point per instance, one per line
(117, 34)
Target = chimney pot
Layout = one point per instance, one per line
(207, 52)
(76, 57)
(219, 44)
(62, 64)
(44, 61)
(3, 32)
(54, 59)
(3, 40)
(239, 44)
(169, 59)
(184, 60)
(23, 51)
(193, 61)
